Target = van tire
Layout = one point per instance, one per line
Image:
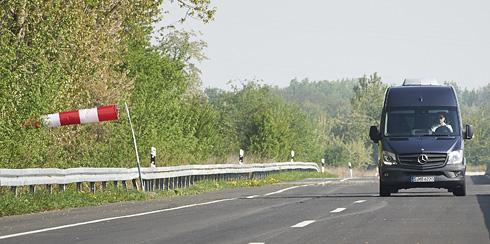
(384, 191)
(460, 191)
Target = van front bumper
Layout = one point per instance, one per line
(448, 177)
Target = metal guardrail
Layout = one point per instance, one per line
(159, 178)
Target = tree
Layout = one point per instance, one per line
(264, 124)
(58, 56)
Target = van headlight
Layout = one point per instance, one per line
(455, 157)
(389, 158)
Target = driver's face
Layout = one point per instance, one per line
(441, 118)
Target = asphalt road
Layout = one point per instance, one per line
(312, 211)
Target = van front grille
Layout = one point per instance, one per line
(433, 160)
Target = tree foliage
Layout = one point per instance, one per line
(58, 56)
(264, 124)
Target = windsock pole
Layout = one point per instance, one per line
(135, 146)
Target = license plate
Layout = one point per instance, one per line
(423, 179)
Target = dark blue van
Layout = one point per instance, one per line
(420, 139)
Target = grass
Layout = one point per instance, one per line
(43, 201)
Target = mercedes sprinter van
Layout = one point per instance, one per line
(420, 139)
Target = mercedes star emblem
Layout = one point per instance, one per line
(423, 159)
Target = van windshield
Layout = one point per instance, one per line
(422, 122)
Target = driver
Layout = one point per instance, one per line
(442, 123)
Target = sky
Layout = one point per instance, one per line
(276, 41)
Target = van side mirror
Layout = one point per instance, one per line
(374, 134)
(468, 134)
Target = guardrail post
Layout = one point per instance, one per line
(124, 185)
(13, 189)
(115, 183)
(49, 188)
(32, 189)
(165, 184)
(104, 185)
(171, 183)
(92, 187)
(145, 185)
(62, 187)
(135, 185)
(79, 186)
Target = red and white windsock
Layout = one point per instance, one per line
(82, 116)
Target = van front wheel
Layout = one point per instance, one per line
(460, 190)
(384, 191)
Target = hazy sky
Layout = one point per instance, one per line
(278, 40)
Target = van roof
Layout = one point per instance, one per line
(420, 82)
(423, 95)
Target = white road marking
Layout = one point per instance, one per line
(342, 180)
(283, 190)
(254, 196)
(338, 210)
(475, 173)
(256, 243)
(303, 224)
(113, 218)
(360, 201)
(324, 183)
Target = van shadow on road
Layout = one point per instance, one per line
(483, 199)
(484, 202)
(480, 180)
